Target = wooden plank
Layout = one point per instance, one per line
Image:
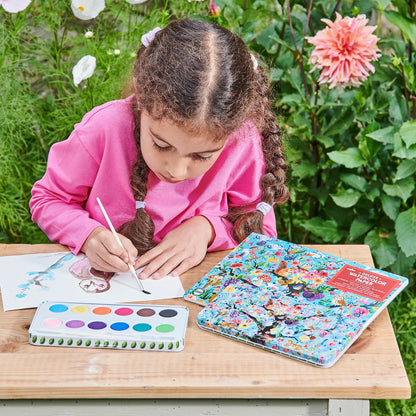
(166, 407)
(210, 366)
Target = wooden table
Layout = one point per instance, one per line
(212, 375)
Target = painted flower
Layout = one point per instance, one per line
(358, 312)
(344, 50)
(14, 6)
(214, 9)
(87, 9)
(83, 69)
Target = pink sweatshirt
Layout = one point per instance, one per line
(96, 161)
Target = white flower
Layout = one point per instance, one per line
(87, 9)
(83, 69)
(116, 51)
(14, 6)
(89, 34)
(136, 1)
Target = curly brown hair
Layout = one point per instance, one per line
(201, 77)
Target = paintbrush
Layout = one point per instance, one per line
(132, 271)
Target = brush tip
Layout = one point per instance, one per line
(145, 291)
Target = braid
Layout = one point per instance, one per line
(273, 181)
(140, 230)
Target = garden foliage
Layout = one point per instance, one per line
(351, 151)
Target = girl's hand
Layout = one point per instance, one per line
(105, 254)
(182, 248)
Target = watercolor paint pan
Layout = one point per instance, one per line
(110, 326)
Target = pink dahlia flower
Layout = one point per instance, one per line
(344, 50)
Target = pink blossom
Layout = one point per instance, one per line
(14, 6)
(344, 50)
(214, 9)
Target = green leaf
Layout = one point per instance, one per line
(357, 182)
(369, 148)
(405, 169)
(401, 151)
(340, 122)
(383, 247)
(405, 25)
(391, 206)
(403, 188)
(327, 230)
(373, 193)
(290, 98)
(350, 158)
(325, 140)
(381, 4)
(265, 39)
(408, 132)
(346, 198)
(276, 75)
(359, 227)
(304, 169)
(384, 135)
(406, 231)
(403, 265)
(397, 108)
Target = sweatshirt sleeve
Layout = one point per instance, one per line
(58, 199)
(243, 187)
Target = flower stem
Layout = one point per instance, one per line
(302, 70)
(412, 13)
(406, 95)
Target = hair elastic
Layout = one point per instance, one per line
(148, 37)
(263, 207)
(140, 204)
(254, 60)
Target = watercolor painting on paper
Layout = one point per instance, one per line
(29, 279)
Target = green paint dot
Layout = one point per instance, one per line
(124, 344)
(34, 339)
(106, 344)
(60, 341)
(51, 341)
(79, 342)
(97, 344)
(115, 344)
(170, 346)
(165, 328)
(161, 346)
(133, 344)
(42, 340)
(70, 342)
(143, 345)
(88, 342)
(152, 345)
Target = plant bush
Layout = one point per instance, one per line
(351, 152)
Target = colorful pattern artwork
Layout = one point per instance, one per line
(291, 299)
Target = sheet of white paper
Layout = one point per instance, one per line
(29, 279)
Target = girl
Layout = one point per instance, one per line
(191, 162)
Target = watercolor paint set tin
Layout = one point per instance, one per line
(110, 326)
